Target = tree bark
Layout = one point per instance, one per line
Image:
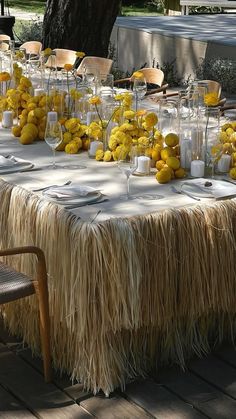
(80, 25)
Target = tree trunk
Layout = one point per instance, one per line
(80, 25)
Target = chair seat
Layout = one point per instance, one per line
(13, 284)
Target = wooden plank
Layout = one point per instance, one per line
(27, 385)
(75, 391)
(203, 396)
(115, 407)
(216, 372)
(227, 353)
(160, 402)
(63, 382)
(11, 408)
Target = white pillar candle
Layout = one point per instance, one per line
(143, 165)
(94, 146)
(224, 163)
(185, 153)
(38, 92)
(7, 119)
(52, 116)
(197, 168)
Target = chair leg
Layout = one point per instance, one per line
(42, 293)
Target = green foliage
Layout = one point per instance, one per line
(32, 6)
(31, 30)
(219, 69)
(194, 10)
(169, 69)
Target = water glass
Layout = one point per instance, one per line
(128, 163)
(53, 137)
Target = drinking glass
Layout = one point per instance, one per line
(53, 137)
(128, 163)
(139, 89)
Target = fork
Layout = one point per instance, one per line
(174, 189)
(45, 188)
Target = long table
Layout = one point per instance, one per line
(132, 285)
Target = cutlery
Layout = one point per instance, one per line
(85, 205)
(184, 193)
(45, 188)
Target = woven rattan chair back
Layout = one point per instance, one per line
(102, 65)
(15, 285)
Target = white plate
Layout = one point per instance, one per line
(79, 201)
(17, 167)
(219, 188)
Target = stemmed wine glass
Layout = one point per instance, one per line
(139, 89)
(53, 137)
(128, 163)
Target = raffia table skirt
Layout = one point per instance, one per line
(126, 295)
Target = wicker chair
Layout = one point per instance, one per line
(4, 37)
(102, 65)
(63, 56)
(15, 285)
(154, 78)
(32, 47)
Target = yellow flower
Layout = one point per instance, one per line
(151, 119)
(25, 82)
(80, 54)
(68, 67)
(141, 112)
(211, 99)
(112, 142)
(107, 155)
(75, 94)
(99, 155)
(129, 114)
(47, 52)
(119, 96)
(72, 148)
(95, 100)
(143, 141)
(5, 76)
(138, 75)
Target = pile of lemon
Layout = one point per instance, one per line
(32, 120)
(168, 161)
(227, 140)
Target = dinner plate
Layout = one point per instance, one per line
(78, 201)
(218, 189)
(16, 167)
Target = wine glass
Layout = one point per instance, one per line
(128, 163)
(53, 137)
(139, 89)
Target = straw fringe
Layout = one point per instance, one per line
(126, 295)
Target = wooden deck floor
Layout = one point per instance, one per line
(206, 390)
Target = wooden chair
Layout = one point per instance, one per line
(102, 65)
(15, 285)
(63, 56)
(153, 76)
(32, 47)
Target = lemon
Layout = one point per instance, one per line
(226, 126)
(61, 146)
(173, 163)
(234, 157)
(160, 164)
(24, 112)
(167, 152)
(32, 119)
(23, 121)
(30, 128)
(170, 170)
(171, 139)
(41, 134)
(16, 131)
(79, 142)
(39, 113)
(148, 152)
(180, 173)
(163, 176)
(26, 138)
(67, 137)
(156, 155)
(232, 173)
(31, 105)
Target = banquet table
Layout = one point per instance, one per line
(132, 284)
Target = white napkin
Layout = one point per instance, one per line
(4, 161)
(69, 192)
(219, 188)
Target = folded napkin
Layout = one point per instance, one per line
(215, 188)
(6, 161)
(70, 192)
